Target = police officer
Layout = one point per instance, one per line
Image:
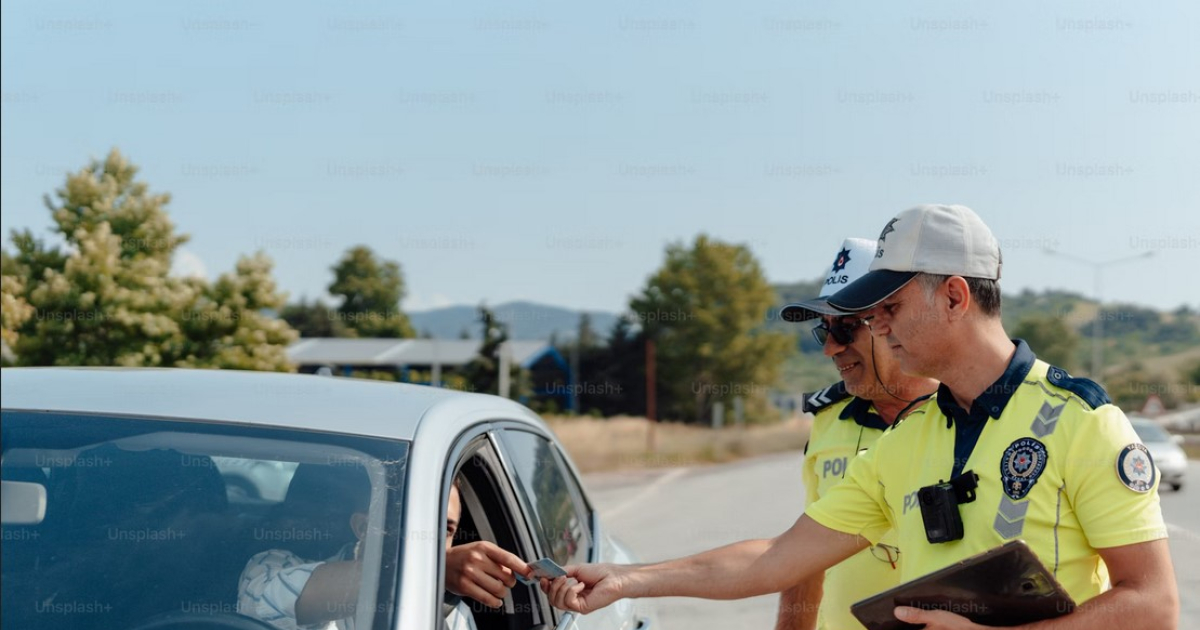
(848, 417)
(1055, 462)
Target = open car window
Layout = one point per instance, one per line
(147, 520)
(554, 502)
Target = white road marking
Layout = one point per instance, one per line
(614, 513)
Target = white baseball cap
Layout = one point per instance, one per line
(851, 263)
(937, 239)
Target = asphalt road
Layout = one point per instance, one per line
(669, 513)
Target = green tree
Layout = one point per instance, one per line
(228, 325)
(1131, 386)
(313, 319)
(706, 309)
(483, 372)
(615, 374)
(1191, 382)
(371, 289)
(585, 335)
(1050, 338)
(14, 310)
(107, 297)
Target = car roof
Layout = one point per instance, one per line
(300, 401)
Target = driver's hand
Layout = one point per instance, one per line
(482, 571)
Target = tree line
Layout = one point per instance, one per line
(105, 296)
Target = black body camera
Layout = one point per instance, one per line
(939, 506)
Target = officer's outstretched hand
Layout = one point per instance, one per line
(936, 619)
(587, 587)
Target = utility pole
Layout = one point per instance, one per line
(651, 403)
(505, 367)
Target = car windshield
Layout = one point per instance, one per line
(122, 523)
(1150, 432)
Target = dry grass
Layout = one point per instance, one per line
(623, 442)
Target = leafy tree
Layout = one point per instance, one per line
(705, 308)
(1050, 338)
(313, 319)
(585, 336)
(1130, 387)
(227, 325)
(483, 372)
(107, 297)
(14, 310)
(614, 376)
(371, 289)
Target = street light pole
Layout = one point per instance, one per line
(1098, 324)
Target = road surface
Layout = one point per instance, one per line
(669, 513)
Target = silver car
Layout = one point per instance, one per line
(1169, 458)
(135, 498)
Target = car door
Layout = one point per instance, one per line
(491, 511)
(561, 520)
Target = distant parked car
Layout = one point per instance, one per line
(1169, 458)
(134, 499)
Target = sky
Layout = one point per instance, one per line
(549, 151)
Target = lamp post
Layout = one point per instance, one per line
(1097, 324)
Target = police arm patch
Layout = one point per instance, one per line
(1135, 467)
(1022, 463)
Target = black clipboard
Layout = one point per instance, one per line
(1005, 586)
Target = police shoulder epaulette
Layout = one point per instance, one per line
(823, 398)
(1090, 391)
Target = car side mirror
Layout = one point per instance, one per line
(22, 503)
(1177, 439)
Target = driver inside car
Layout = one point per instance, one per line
(290, 590)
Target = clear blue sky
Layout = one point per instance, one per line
(547, 150)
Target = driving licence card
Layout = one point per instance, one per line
(544, 568)
(547, 568)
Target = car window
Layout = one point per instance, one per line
(1150, 432)
(145, 519)
(551, 493)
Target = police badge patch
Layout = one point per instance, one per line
(1135, 467)
(1023, 462)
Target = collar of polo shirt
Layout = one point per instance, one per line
(860, 410)
(995, 398)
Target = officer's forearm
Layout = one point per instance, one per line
(1143, 597)
(798, 605)
(747, 568)
(1122, 608)
(731, 572)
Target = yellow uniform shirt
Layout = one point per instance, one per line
(1059, 466)
(843, 427)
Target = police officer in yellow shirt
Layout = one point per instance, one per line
(848, 417)
(1054, 461)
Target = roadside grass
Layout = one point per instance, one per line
(621, 443)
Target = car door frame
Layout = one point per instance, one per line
(483, 441)
(578, 497)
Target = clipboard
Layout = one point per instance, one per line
(1005, 586)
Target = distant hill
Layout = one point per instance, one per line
(525, 320)
(1134, 335)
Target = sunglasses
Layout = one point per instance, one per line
(886, 553)
(842, 332)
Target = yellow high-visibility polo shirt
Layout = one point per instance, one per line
(1059, 466)
(845, 426)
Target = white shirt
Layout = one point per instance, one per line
(273, 580)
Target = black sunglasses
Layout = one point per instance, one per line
(842, 332)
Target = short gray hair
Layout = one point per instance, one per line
(984, 291)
